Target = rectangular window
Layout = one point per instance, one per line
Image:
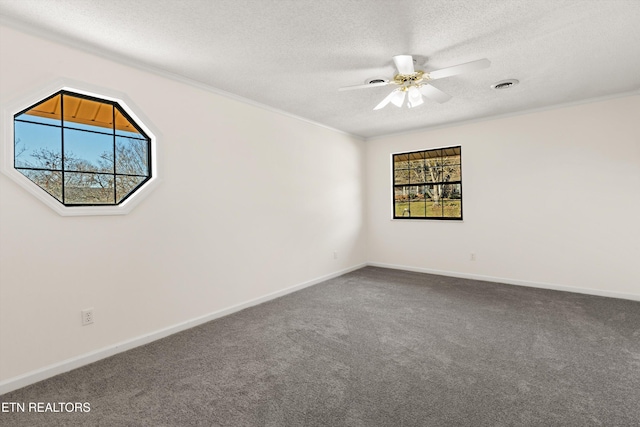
(428, 184)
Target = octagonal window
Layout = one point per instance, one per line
(81, 150)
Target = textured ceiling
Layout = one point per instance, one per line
(293, 55)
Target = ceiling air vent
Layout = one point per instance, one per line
(505, 84)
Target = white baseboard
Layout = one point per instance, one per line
(542, 285)
(87, 358)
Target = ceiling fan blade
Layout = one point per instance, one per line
(386, 100)
(364, 86)
(398, 98)
(404, 64)
(435, 94)
(459, 69)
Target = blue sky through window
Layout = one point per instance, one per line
(83, 142)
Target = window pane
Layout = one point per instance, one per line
(417, 209)
(433, 155)
(126, 184)
(87, 151)
(433, 174)
(417, 192)
(37, 146)
(418, 175)
(87, 114)
(451, 191)
(132, 156)
(434, 210)
(88, 188)
(51, 182)
(402, 209)
(401, 176)
(451, 160)
(433, 192)
(400, 161)
(452, 208)
(451, 152)
(456, 192)
(451, 173)
(124, 127)
(401, 197)
(47, 112)
(416, 164)
(402, 194)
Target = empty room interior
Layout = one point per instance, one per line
(340, 213)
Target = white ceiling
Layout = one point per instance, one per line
(293, 55)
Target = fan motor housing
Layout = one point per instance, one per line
(415, 77)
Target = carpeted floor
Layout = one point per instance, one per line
(374, 347)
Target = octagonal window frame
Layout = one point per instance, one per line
(130, 113)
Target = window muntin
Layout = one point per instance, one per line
(427, 184)
(82, 150)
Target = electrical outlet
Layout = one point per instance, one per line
(335, 254)
(87, 316)
(472, 257)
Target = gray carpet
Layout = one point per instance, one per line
(374, 347)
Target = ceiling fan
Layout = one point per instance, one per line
(413, 84)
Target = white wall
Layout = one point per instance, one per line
(551, 199)
(251, 202)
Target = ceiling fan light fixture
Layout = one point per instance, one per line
(415, 97)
